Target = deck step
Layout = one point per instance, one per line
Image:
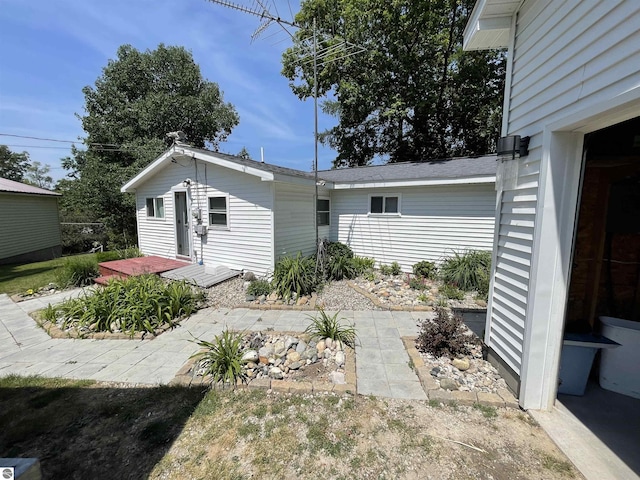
(104, 279)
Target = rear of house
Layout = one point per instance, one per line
(31, 224)
(218, 209)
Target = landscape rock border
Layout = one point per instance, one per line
(54, 331)
(183, 377)
(503, 398)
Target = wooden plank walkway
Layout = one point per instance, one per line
(201, 275)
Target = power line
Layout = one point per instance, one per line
(56, 140)
(95, 149)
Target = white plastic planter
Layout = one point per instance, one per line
(620, 367)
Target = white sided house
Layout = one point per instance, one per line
(218, 209)
(31, 224)
(566, 248)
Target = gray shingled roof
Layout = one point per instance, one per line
(265, 167)
(430, 170)
(7, 185)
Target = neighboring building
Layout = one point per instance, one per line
(31, 229)
(220, 209)
(573, 87)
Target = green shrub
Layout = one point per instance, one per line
(423, 298)
(425, 269)
(77, 272)
(363, 264)
(451, 292)
(222, 358)
(418, 283)
(444, 335)
(341, 267)
(259, 287)
(393, 269)
(327, 326)
(469, 271)
(295, 275)
(111, 255)
(134, 304)
(337, 249)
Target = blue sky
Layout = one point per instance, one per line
(52, 49)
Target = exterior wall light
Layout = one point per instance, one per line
(513, 144)
(186, 182)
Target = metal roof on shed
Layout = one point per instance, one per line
(11, 186)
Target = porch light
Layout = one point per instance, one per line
(186, 182)
(513, 144)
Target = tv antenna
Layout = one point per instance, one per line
(332, 53)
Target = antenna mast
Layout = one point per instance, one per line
(346, 48)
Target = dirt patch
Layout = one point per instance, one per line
(102, 431)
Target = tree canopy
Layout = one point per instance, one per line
(135, 102)
(13, 165)
(412, 94)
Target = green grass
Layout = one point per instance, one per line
(19, 278)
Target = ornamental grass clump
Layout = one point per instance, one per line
(77, 272)
(222, 358)
(468, 272)
(294, 275)
(131, 305)
(445, 335)
(328, 326)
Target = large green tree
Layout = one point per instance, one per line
(13, 165)
(412, 94)
(138, 99)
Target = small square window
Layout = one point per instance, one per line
(155, 207)
(323, 212)
(218, 211)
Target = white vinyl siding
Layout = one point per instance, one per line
(30, 223)
(435, 222)
(568, 55)
(246, 243)
(295, 229)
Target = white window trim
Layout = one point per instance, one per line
(218, 227)
(318, 211)
(384, 201)
(155, 209)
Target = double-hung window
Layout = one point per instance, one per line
(155, 207)
(218, 213)
(323, 209)
(384, 204)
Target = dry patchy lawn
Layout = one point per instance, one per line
(94, 430)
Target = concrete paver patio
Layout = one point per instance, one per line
(382, 364)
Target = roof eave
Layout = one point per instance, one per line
(489, 25)
(424, 182)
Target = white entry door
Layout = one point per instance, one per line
(182, 224)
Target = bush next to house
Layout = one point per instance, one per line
(469, 271)
(425, 269)
(132, 252)
(444, 335)
(393, 269)
(259, 287)
(338, 249)
(131, 305)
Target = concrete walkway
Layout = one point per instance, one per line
(382, 363)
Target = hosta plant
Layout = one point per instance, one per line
(222, 358)
(324, 325)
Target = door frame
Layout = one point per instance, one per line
(189, 238)
(559, 194)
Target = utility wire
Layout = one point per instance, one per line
(56, 140)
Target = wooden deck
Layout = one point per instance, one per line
(139, 266)
(201, 275)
